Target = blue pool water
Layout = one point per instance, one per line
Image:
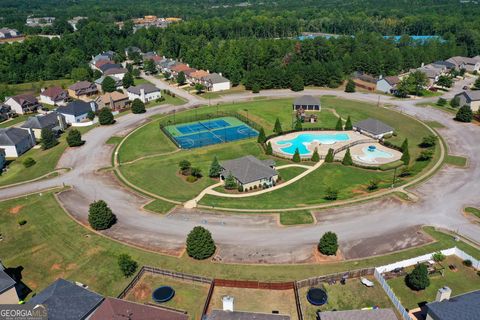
(370, 156)
(302, 140)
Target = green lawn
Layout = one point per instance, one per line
(51, 245)
(159, 206)
(461, 281)
(138, 81)
(474, 211)
(295, 217)
(35, 87)
(456, 160)
(435, 124)
(14, 121)
(114, 140)
(290, 172)
(214, 95)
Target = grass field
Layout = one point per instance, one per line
(474, 211)
(35, 87)
(289, 218)
(14, 121)
(51, 245)
(352, 295)
(456, 160)
(159, 206)
(214, 95)
(189, 296)
(461, 281)
(114, 140)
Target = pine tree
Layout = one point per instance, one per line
(49, 140)
(298, 125)
(296, 156)
(418, 278)
(230, 183)
(105, 116)
(261, 136)
(278, 127)
(138, 106)
(181, 78)
(200, 244)
(347, 159)
(330, 156)
(464, 114)
(405, 157)
(297, 83)
(128, 80)
(404, 146)
(127, 265)
(108, 85)
(215, 169)
(315, 155)
(350, 87)
(269, 150)
(328, 244)
(100, 216)
(348, 124)
(74, 138)
(339, 125)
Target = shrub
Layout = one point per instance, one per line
(90, 115)
(350, 87)
(196, 172)
(127, 265)
(428, 141)
(348, 124)
(455, 102)
(269, 149)
(298, 125)
(105, 117)
(230, 183)
(418, 278)
(438, 256)
(49, 140)
(74, 138)
(464, 114)
(405, 157)
(255, 88)
(330, 157)
(328, 244)
(296, 156)
(405, 172)
(315, 156)
(347, 159)
(441, 102)
(185, 166)
(425, 155)
(191, 179)
(339, 125)
(277, 127)
(200, 244)
(467, 263)
(240, 188)
(215, 169)
(138, 106)
(28, 162)
(373, 185)
(22, 222)
(331, 194)
(261, 136)
(100, 216)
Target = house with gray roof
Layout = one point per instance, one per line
(373, 128)
(106, 55)
(145, 92)
(241, 315)
(307, 102)
(470, 98)
(216, 82)
(3, 159)
(465, 306)
(376, 314)
(77, 111)
(54, 121)
(67, 300)
(469, 64)
(16, 141)
(250, 172)
(8, 293)
(5, 112)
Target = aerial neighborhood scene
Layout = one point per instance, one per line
(239, 160)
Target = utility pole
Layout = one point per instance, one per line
(394, 176)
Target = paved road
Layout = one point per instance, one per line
(253, 238)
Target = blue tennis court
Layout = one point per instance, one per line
(202, 125)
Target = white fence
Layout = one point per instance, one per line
(398, 305)
(414, 261)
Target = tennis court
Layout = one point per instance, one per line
(207, 132)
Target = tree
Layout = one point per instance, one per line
(296, 156)
(230, 183)
(331, 194)
(297, 83)
(200, 244)
(425, 155)
(181, 78)
(269, 149)
(405, 157)
(278, 127)
(441, 102)
(74, 138)
(464, 114)
(438, 256)
(330, 157)
(445, 81)
(136, 73)
(413, 84)
(128, 80)
(350, 87)
(196, 172)
(49, 140)
(298, 125)
(149, 66)
(138, 106)
(105, 116)
(79, 74)
(428, 141)
(184, 166)
(404, 146)
(261, 136)
(127, 265)
(199, 88)
(100, 216)
(255, 88)
(215, 169)
(347, 158)
(476, 85)
(455, 102)
(328, 244)
(108, 85)
(315, 156)
(339, 125)
(348, 124)
(28, 162)
(418, 278)
(91, 115)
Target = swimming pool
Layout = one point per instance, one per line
(303, 140)
(371, 154)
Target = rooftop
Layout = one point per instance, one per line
(240, 315)
(216, 78)
(80, 85)
(378, 314)
(465, 306)
(306, 100)
(42, 121)
(53, 92)
(6, 282)
(473, 95)
(12, 136)
(147, 87)
(249, 169)
(373, 126)
(76, 108)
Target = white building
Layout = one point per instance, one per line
(145, 92)
(77, 111)
(23, 103)
(387, 84)
(16, 141)
(216, 82)
(54, 96)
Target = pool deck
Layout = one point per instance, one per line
(322, 148)
(357, 151)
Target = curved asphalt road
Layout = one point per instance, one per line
(254, 238)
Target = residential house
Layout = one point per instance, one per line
(216, 82)
(101, 63)
(8, 293)
(77, 111)
(145, 92)
(241, 315)
(116, 309)
(465, 306)
(197, 76)
(5, 112)
(67, 300)
(432, 73)
(114, 100)
(53, 121)
(104, 67)
(375, 314)
(74, 21)
(364, 80)
(151, 56)
(3, 161)
(470, 98)
(118, 73)
(469, 64)
(449, 66)
(308, 103)
(177, 68)
(16, 141)
(387, 84)
(106, 55)
(373, 127)
(23, 103)
(39, 22)
(55, 96)
(82, 90)
(118, 82)
(250, 172)
(6, 33)
(165, 65)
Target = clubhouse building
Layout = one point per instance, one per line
(250, 172)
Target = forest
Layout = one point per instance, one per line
(250, 44)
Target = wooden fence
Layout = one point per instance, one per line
(246, 284)
(315, 281)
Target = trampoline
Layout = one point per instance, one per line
(163, 294)
(317, 296)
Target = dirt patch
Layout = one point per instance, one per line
(56, 266)
(15, 210)
(320, 258)
(141, 292)
(72, 266)
(359, 191)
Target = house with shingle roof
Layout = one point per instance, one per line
(145, 92)
(16, 141)
(469, 64)
(67, 300)
(54, 96)
(373, 127)
(118, 82)
(77, 111)
(114, 100)
(53, 121)
(465, 306)
(307, 102)
(375, 314)
(8, 293)
(243, 315)
(470, 98)
(23, 103)
(216, 82)
(82, 90)
(116, 309)
(387, 84)
(250, 172)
